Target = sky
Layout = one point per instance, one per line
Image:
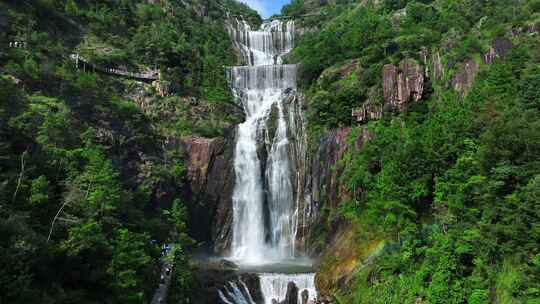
(266, 8)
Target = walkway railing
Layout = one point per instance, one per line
(81, 61)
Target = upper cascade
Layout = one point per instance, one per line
(265, 46)
(263, 77)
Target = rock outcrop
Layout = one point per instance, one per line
(209, 185)
(437, 68)
(403, 86)
(304, 295)
(210, 281)
(463, 80)
(324, 189)
(498, 50)
(367, 111)
(292, 294)
(371, 109)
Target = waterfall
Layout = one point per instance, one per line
(268, 200)
(236, 294)
(264, 221)
(274, 286)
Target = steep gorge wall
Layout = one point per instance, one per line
(209, 187)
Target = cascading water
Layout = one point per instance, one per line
(236, 293)
(263, 203)
(274, 286)
(265, 210)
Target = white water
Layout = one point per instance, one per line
(274, 286)
(262, 191)
(265, 213)
(236, 294)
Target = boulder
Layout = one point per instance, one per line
(292, 294)
(210, 281)
(305, 296)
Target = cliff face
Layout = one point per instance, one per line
(209, 187)
(404, 84)
(324, 189)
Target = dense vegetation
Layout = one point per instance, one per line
(375, 35)
(87, 180)
(89, 170)
(453, 185)
(456, 190)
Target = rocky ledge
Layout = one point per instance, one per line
(214, 278)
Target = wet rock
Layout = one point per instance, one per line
(299, 164)
(272, 124)
(200, 11)
(326, 185)
(501, 46)
(463, 81)
(226, 264)
(209, 281)
(305, 296)
(292, 294)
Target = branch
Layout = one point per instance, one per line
(54, 220)
(21, 175)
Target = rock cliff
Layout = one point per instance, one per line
(209, 187)
(403, 85)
